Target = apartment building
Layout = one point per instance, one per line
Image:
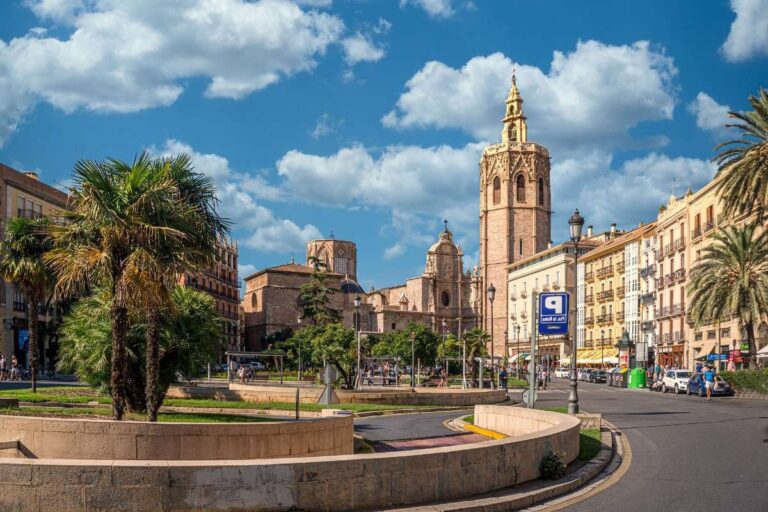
(648, 296)
(26, 196)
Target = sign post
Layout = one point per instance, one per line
(551, 320)
(532, 366)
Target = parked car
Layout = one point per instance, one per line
(676, 380)
(696, 386)
(597, 376)
(562, 373)
(585, 374)
(257, 366)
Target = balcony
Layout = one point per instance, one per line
(604, 295)
(512, 296)
(555, 286)
(523, 294)
(711, 335)
(678, 309)
(620, 291)
(660, 252)
(659, 281)
(589, 276)
(546, 288)
(605, 318)
(648, 325)
(696, 233)
(708, 226)
(668, 249)
(647, 298)
(680, 244)
(664, 312)
(648, 271)
(535, 290)
(590, 320)
(666, 337)
(523, 315)
(669, 279)
(512, 316)
(620, 267)
(604, 271)
(619, 316)
(680, 275)
(589, 299)
(677, 336)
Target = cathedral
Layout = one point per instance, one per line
(514, 224)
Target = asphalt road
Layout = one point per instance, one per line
(406, 426)
(687, 453)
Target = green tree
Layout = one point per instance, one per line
(452, 347)
(743, 162)
(122, 222)
(398, 344)
(731, 278)
(188, 340)
(476, 340)
(21, 262)
(315, 297)
(333, 344)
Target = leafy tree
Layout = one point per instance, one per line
(21, 261)
(124, 223)
(398, 344)
(330, 343)
(476, 340)
(188, 340)
(731, 278)
(743, 163)
(315, 297)
(452, 347)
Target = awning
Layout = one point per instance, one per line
(607, 355)
(763, 352)
(515, 357)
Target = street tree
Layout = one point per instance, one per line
(477, 346)
(731, 278)
(21, 262)
(743, 162)
(398, 344)
(334, 344)
(316, 295)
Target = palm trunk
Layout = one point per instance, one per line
(33, 335)
(117, 375)
(153, 364)
(750, 328)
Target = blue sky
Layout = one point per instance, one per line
(366, 118)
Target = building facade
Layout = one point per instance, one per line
(220, 281)
(25, 196)
(515, 210)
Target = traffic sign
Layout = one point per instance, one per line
(553, 313)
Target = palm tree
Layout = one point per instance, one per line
(732, 279)
(21, 261)
(477, 345)
(123, 222)
(743, 163)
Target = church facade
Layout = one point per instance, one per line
(515, 211)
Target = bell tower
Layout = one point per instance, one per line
(515, 210)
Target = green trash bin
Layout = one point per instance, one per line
(637, 378)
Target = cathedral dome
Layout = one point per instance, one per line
(350, 286)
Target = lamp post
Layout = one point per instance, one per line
(576, 222)
(299, 338)
(517, 361)
(445, 356)
(506, 348)
(463, 360)
(602, 348)
(413, 361)
(358, 379)
(491, 296)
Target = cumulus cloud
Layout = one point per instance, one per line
(749, 31)
(324, 126)
(129, 56)
(238, 194)
(434, 8)
(394, 251)
(710, 115)
(590, 97)
(244, 270)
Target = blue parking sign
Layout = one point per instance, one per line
(553, 313)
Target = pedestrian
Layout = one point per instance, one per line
(709, 381)
(443, 379)
(504, 377)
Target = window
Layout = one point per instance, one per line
(557, 277)
(710, 216)
(253, 300)
(445, 298)
(394, 326)
(496, 190)
(682, 261)
(541, 191)
(520, 188)
(520, 249)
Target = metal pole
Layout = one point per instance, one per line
(299, 338)
(358, 380)
(492, 354)
(463, 362)
(573, 395)
(413, 361)
(534, 316)
(517, 362)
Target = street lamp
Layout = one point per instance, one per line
(445, 356)
(517, 360)
(576, 222)
(356, 301)
(413, 360)
(602, 348)
(491, 296)
(506, 348)
(463, 359)
(299, 338)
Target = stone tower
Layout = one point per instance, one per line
(515, 210)
(339, 256)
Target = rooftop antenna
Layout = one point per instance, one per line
(445, 222)
(333, 237)
(292, 259)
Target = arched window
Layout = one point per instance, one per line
(253, 300)
(496, 190)
(520, 244)
(541, 191)
(520, 188)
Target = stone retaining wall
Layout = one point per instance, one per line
(347, 482)
(59, 438)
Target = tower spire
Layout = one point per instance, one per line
(515, 129)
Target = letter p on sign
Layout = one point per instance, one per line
(554, 304)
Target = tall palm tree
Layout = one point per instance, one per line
(732, 279)
(477, 345)
(123, 222)
(21, 261)
(743, 163)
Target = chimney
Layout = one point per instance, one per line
(589, 231)
(31, 174)
(549, 244)
(613, 229)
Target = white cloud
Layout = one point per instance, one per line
(325, 125)
(129, 56)
(394, 251)
(360, 48)
(434, 8)
(590, 97)
(238, 194)
(710, 115)
(244, 270)
(315, 3)
(749, 31)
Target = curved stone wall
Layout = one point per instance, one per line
(348, 482)
(59, 438)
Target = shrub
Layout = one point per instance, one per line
(551, 466)
(748, 380)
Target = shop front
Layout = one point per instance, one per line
(671, 355)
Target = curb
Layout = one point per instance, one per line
(484, 432)
(587, 479)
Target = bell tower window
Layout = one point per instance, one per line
(541, 191)
(520, 188)
(496, 190)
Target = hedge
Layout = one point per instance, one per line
(748, 380)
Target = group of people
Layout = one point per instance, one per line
(246, 374)
(10, 368)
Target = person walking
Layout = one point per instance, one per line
(504, 377)
(709, 381)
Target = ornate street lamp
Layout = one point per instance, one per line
(358, 378)
(491, 296)
(576, 222)
(445, 356)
